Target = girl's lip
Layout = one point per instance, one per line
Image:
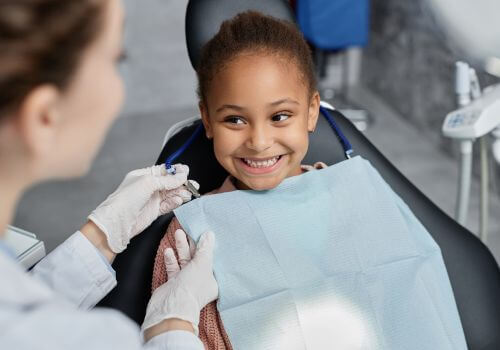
(260, 159)
(260, 171)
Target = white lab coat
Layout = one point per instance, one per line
(48, 307)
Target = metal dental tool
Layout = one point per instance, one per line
(191, 188)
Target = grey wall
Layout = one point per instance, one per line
(158, 74)
(409, 63)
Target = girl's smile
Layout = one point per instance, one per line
(260, 166)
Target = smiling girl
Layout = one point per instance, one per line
(258, 102)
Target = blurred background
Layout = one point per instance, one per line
(386, 63)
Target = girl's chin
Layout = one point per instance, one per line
(258, 184)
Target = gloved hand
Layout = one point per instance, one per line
(143, 195)
(191, 284)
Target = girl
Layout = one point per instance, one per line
(258, 102)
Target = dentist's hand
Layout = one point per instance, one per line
(191, 285)
(143, 195)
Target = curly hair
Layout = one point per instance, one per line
(250, 32)
(42, 41)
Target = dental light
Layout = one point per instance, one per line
(473, 27)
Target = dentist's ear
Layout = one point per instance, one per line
(312, 119)
(205, 119)
(38, 120)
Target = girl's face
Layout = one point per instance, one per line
(259, 113)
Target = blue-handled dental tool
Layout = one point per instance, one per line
(173, 156)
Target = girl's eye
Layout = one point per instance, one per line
(280, 117)
(234, 120)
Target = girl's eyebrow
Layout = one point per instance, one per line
(284, 100)
(236, 107)
(272, 104)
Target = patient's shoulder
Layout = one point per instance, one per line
(227, 186)
(173, 226)
(168, 241)
(315, 166)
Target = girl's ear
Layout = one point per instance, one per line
(205, 119)
(313, 111)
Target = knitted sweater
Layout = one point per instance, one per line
(211, 329)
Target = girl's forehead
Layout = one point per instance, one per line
(247, 72)
(276, 61)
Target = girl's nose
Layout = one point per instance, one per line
(260, 139)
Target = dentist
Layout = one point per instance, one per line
(59, 93)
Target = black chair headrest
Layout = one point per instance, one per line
(204, 17)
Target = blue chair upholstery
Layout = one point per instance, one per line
(334, 24)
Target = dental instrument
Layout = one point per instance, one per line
(473, 29)
(191, 188)
(478, 115)
(173, 156)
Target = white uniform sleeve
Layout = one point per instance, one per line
(57, 326)
(76, 271)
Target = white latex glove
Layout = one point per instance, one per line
(191, 284)
(143, 195)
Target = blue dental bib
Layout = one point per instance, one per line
(330, 259)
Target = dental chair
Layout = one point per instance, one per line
(473, 271)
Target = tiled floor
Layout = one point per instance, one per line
(161, 87)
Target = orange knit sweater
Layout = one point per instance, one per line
(212, 332)
(211, 329)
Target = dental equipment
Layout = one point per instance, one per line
(190, 187)
(171, 170)
(476, 117)
(173, 156)
(346, 145)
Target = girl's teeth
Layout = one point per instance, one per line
(261, 164)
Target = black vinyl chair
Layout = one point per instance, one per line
(473, 271)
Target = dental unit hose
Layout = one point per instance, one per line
(484, 207)
(464, 181)
(463, 92)
(338, 132)
(483, 156)
(173, 156)
(467, 89)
